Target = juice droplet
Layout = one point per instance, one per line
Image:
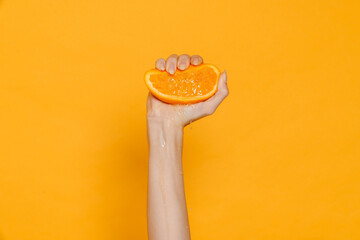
(162, 140)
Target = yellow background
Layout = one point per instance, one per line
(280, 159)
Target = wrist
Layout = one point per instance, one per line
(155, 123)
(164, 134)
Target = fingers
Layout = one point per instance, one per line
(171, 64)
(160, 64)
(183, 61)
(196, 60)
(212, 103)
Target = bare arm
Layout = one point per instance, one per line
(167, 212)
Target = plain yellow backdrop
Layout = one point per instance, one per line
(280, 159)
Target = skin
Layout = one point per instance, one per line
(167, 212)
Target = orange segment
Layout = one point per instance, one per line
(192, 85)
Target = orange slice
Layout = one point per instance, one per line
(195, 84)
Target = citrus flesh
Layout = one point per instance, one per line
(195, 84)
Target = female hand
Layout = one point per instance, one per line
(185, 114)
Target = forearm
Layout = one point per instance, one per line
(167, 213)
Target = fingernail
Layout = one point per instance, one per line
(225, 76)
(171, 69)
(182, 66)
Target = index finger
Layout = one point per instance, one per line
(160, 64)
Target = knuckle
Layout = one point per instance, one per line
(209, 111)
(224, 91)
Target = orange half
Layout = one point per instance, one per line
(195, 84)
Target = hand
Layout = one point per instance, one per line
(185, 114)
